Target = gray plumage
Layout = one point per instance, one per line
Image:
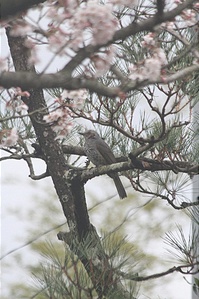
(99, 153)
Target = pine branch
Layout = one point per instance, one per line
(179, 269)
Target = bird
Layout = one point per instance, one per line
(99, 153)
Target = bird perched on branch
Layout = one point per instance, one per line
(99, 153)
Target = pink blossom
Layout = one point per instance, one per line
(21, 93)
(53, 116)
(189, 16)
(160, 54)
(58, 39)
(150, 68)
(74, 25)
(63, 128)
(137, 73)
(196, 5)
(58, 17)
(78, 96)
(77, 41)
(14, 103)
(9, 138)
(99, 18)
(170, 25)
(102, 61)
(60, 120)
(149, 40)
(21, 108)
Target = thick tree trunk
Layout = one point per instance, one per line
(68, 185)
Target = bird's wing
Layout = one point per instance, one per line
(105, 151)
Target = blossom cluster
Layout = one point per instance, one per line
(75, 98)
(61, 118)
(74, 24)
(188, 16)
(102, 61)
(151, 67)
(8, 138)
(90, 22)
(15, 103)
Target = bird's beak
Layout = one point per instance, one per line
(81, 133)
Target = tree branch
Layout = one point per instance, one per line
(62, 80)
(142, 164)
(10, 8)
(73, 150)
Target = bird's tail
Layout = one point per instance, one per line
(120, 188)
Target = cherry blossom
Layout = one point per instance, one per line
(150, 68)
(103, 61)
(19, 92)
(149, 40)
(196, 5)
(99, 18)
(60, 121)
(53, 116)
(77, 97)
(189, 17)
(90, 22)
(14, 103)
(8, 137)
(22, 108)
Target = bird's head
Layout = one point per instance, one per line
(90, 134)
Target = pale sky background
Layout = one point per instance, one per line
(18, 190)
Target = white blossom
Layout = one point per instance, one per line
(9, 138)
(99, 18)
(149, 40)
(60, 120)
(103, 61)
(150, 68)
(78, 97)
